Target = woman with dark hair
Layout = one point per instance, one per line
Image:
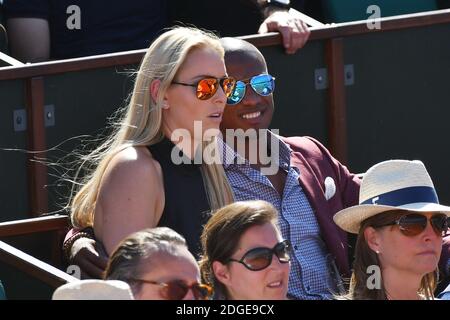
(244, 255)
(157, 265)
(400, 225)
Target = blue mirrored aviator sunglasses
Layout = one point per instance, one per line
(263, 84)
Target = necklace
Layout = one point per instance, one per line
(389, 296)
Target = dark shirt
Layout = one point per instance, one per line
(227, 18)
(186, 208)
(231, 18)
(105, 26)
(113, 26)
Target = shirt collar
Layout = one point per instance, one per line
(232, 158)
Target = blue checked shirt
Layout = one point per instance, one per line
(310, 276)
(445, 295)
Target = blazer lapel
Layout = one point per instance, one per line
(335, 239)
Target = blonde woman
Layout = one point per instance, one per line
(400, 225)
(137, 183)
(253, 263)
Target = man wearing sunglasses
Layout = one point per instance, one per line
(310, 187)
(319, 247)
(298, 188)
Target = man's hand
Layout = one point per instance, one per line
(90, 257)
(294, 31)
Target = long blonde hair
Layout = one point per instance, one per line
(141, 122)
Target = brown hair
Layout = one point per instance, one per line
(125, 262)
(222, 233)
(365, 257)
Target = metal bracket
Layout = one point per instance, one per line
(49, 115)
(20, 120)
(321, 77)
(349, 75)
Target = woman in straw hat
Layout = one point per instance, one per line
(400, 225)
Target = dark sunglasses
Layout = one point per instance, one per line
(413, 224)
(207, 87)
(178, 289)
(263, 84)
(260, 258)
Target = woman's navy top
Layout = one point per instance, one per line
(186, 208)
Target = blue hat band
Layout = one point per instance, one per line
(404, 196)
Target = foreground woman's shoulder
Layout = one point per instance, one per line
(135, 163)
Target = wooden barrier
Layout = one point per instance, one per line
(28, 264)
(359, 125)
(34, 267)
(27, 226)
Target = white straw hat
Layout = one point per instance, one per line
(390, 185)
(94, 290)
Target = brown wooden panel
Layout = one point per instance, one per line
(387, 24)
(69, 65)
(337, 123)
(37, 172)
(33, 267)
(27, 226)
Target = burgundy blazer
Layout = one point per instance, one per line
(445, 258)
(315, 164)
